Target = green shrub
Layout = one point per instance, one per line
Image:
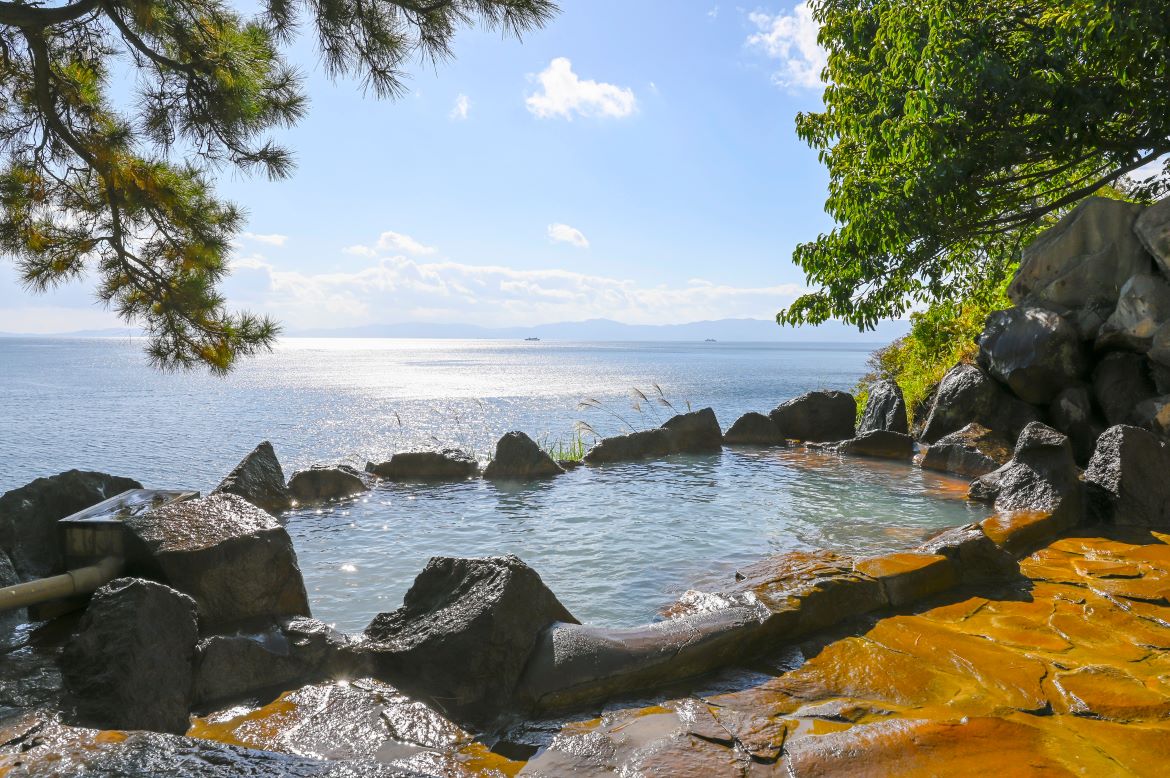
(940, 337)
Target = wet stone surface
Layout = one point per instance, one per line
(1065, 673)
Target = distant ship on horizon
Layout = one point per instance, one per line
(532, 339)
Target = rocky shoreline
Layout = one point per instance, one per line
(1060, 424)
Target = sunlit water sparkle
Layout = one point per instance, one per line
(616, 543)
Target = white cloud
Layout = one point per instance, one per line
(461, 109)
(392, 242)
(563, 93)
(271, 240)
(399, 288)
(792, 39)
(714, 12)
(563, 233)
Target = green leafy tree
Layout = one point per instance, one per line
(125, 191)
(952, 129)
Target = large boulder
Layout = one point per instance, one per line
(234, 559)
(970, 452)
(1034, 351)
(130, 665)
(229, 668)
(1072, 413)
(518, 458)
(29, 515)
(1084, 259)
(1127, 478)
(322, 482)
(817, 417)
(1143, 307)
(885, 409)
(1120, 382)
(462, 637)
(1042, 477)
(882, 444)
(643, 444)
(969, 395)
(695, 431)
(450, 464)
(259, 479)
(692, 432)
(753, 429)
(1153, 230)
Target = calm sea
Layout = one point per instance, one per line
(615, 543)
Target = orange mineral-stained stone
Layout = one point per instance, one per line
(906, 577)
(1019, 530)
(987, 677)
(976, 747)
(1110, 693)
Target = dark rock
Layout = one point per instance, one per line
(885, 409)
(1042, 477)
(1072, 413)
(1120, 383)
(643, 444)
(1144, 306)
(320, 483)
(753, 429)
(1127, 478)
(817, 417)
(56, 751)
(969, 395)
(1154, 415)
(883, 444)
(1085, 258)
(1034, 351)
(131, 663)
(971, 452)
(574, 665)
(259, 480)
(1159, 353)
(462, 637)
(1160, 374)
(234, 559)
(1152, 228)
(230, 668)
(29, 515)
(976, 556)
(9, 619)
(519, 458)
(695, 431)
(450, 464)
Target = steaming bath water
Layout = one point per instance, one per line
(616, 543)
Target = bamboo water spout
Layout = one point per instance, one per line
(83, 580)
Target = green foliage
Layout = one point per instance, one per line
(952, 128)
(940, 338)
(572, 451)
(124, 191)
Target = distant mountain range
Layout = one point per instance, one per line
(607, 329)
(592, 329)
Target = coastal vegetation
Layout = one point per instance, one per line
(952, 130)
(120, 180)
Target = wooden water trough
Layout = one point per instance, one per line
(93, 546)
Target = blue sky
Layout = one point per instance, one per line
(635, 160)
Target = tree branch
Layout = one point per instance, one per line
(27, 16)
